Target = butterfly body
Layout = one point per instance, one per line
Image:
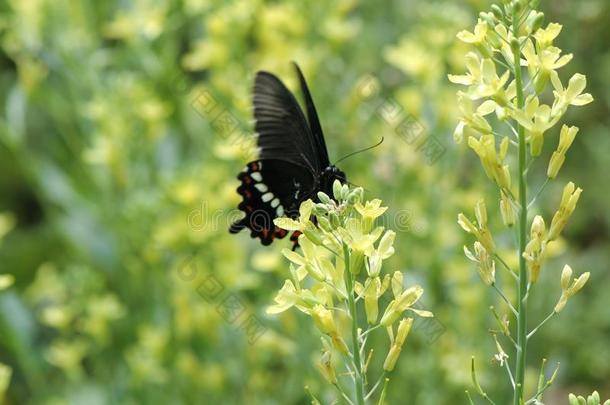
(293, 164)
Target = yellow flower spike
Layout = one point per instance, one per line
(404, 327)
(566, 208)
(382, 252)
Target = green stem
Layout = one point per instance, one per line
(522, 303)
(358, 377)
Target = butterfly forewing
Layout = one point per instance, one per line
(283, 131)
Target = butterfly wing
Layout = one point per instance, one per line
(283, 131)
(270, 188)
(314, 121)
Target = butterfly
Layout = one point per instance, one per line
(293, 163)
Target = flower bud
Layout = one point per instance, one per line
(497, 11)
(506, 209)
(323, 197)
(337, 190)
(401, 335)
(566, 275)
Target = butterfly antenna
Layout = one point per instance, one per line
(360, 151)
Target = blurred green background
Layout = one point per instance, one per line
(117, 187)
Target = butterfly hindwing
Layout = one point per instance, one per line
(270, 188)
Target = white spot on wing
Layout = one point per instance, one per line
(267, 197)
(280, 211)
(257, 176)
(275, 202)
(261, 187)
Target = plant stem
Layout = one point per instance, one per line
(358, 377)
(522, 303)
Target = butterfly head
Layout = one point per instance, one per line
(328, 177)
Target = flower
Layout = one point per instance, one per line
(304, 214)
(378, 255)
(536, 118)
(569, 289)
(572, 95)
(540, 64)
(401, 336)
(472, 118)
(402, 303)
(485, 265)
(545, 36)
(481, 77)
(480, 231)
(370, 211)
(535, 250)
(491, 159)
(566, 137)
(566, 208)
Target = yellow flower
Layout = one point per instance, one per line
(492, 159)
(542, 62)
(569, 289)
(303, 220)
(545, 36)
(370, 211)
(566, 208)
(566, 137)
(535, 250)
(382, 252)
(401, 336)
(572, 95)
(402, 303)
(485, 265)
(471, 117)
(536, 118)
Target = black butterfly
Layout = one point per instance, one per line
(293, 164)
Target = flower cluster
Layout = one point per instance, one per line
(515, 62)
(340, 267)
